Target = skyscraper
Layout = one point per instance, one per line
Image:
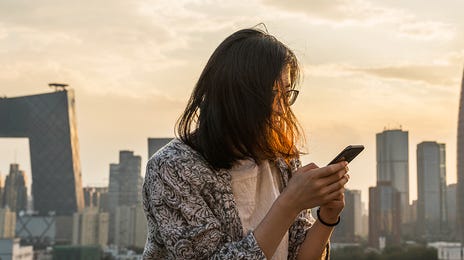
(431, 190)
(125, 187)
(1, 189)
(15, 191)
(131, 226)
(49, 121)
(96, 197)
(384, 215)
(451, 207)
(460, 170)
(90, 227)
(7, 223)
(351, 218)
(393, 166)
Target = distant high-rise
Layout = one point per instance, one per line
(7, 223)
(451, 206)
(130, 226)
(431, 190)
(393, 166)
(15, 191)
(125, 187)
(384, 215)
(90, 227)
(349, 228)
(460, 170)
(154, 144)
(2, 184)
(49, 121)
(96, 197)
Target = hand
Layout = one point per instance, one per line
(311, 186)
(330, 211)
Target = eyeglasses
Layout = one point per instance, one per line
(291, 96)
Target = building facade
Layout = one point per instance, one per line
(131, 226)
(349, 230)
(125, 187)
(393, 165)
(384, 215)
(460, 169)
(10, 249)
(451, 209)
(432, 215)
(7, 223)
(15, 190)
(96, 197)
(90, 227)
(49, 121)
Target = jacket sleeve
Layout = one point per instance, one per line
(180, 223)
(297, 235)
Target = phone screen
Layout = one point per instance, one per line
(348, 154)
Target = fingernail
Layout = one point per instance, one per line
(345, 163)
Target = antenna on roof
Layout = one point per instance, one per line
(58, 86)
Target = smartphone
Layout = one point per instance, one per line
(348, 154)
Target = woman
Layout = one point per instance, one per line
(231, 187)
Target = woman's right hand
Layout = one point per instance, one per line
(311, 186)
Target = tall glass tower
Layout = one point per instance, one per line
(432, 214)
(460, 170)
(393, 165)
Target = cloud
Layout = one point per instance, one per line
(427, 30)
(114, 46)
(337, 12)
(362, 13)
(437, 75)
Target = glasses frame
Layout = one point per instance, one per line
(291, 95)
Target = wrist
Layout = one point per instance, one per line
(286, 204)
(328, 216)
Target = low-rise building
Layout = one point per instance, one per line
(10, 249)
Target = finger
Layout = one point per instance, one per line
(310, 166)
(329, 170)
(335, 195)
(335, 186)
(334, 177)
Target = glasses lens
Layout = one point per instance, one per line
(291, 96)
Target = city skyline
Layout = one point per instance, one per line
(387, 64)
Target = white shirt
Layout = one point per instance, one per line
(255, 188)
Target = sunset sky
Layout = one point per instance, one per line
(368, 65)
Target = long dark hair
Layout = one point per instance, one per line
(231, 113)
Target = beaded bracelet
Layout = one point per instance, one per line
(325, 223)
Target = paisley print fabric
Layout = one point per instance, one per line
(191, 212)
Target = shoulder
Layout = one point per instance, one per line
(178, 162)
(177, 154)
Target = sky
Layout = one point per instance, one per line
(368, 65)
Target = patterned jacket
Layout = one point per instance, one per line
(191, 211)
